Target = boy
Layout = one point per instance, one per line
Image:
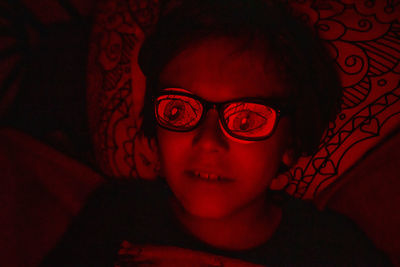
(236, 91)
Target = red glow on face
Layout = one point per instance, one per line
(211, 174)
(243, 119)
(178, 111)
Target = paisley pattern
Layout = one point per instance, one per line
(363, 37)
(113, 106)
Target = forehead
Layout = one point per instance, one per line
(222, 69)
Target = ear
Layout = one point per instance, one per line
(282, 178)
(289, 158)
(147, 159)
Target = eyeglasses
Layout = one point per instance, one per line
(249, 119)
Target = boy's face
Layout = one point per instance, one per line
(217, 70)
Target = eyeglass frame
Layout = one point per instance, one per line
(280, 105)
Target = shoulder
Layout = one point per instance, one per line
(327, 235)
(118, 192)
(95, 234)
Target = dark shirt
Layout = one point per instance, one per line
(138, 211)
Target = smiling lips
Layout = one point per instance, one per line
(208, 176)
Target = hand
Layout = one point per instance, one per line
(148, 255)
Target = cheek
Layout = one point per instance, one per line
(257, 165)
(259, 162)
(172, 150)
(260, 159)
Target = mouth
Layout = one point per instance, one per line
(208, 176)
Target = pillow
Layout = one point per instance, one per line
(363, 37)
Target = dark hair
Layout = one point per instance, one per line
(298, 52)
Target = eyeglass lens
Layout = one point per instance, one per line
(240, 119)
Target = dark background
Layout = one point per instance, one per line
(43, 55)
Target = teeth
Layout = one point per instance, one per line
(208, 176)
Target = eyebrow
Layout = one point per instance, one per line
(176, 89)
(277, 100)
(162, 86)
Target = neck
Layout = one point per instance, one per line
(246, 228)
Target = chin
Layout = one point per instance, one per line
(208, 210)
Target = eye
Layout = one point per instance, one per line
(246, 120)
(250, 119)
(178, 111)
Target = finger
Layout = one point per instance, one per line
(171, 253)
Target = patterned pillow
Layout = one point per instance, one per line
(364, 37)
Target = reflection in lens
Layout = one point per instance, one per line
(249, 119)
(178, 112)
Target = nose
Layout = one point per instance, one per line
(209, 136)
